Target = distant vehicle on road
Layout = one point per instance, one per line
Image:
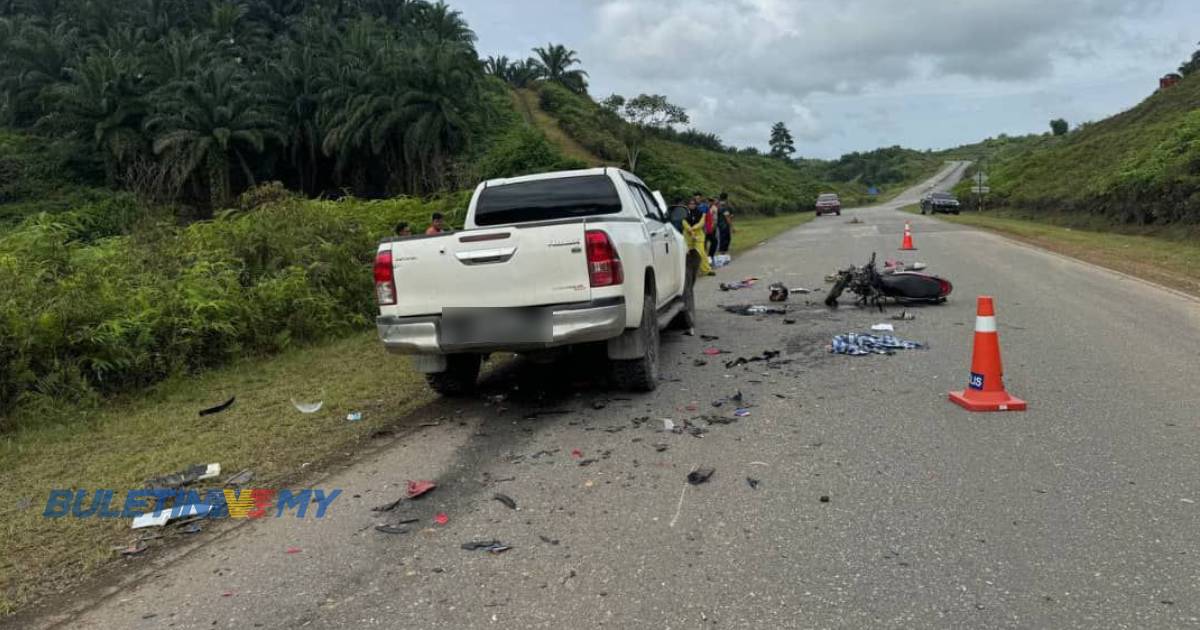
(546, 261)
(944, 202)
(829, 203)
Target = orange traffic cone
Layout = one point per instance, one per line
(907, 245)
(985, 391)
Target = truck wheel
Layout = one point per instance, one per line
(641, 374)
(686, 319)
(460, 377)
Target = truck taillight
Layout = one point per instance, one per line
(385, 279)
(604, 265)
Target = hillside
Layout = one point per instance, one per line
(577, 125)
(1139, 167)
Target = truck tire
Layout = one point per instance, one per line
(460, 377)
(686, 319)
(641, 374)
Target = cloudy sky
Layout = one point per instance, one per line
(848, 75)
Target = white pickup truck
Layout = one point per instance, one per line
(544, 262)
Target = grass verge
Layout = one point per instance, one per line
(129, 440)
(1169, 258)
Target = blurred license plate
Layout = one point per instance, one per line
(495, 325)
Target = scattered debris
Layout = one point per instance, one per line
(219, 408)
(718, 420)
(789, 322)
(576, 453)
(700, 475)
(759, 464)
(712, 352)
(824, 498)
(131, 550)
(292, 550)
(490, 546)
(741, 284)
(192, 474)
(858, 345)
(441, 518)
(755, 309)
(587, 462)
(354, 416)
(308, 407)
(883, 328)
(241, 478)
(660, 447)
(904, 316)
(752, 482)
(550, 541)
(193, 528)
(161, 517)
(742, 413)
(506, 500)
(418, 488)
(390, 529)
(699, 363)
(767, 355)
(599, 404)
(710, 337)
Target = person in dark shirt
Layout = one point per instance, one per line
(724, 223)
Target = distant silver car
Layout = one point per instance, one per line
(829, 203)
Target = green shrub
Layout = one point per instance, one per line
(80, 320)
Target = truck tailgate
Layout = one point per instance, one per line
(491, 267)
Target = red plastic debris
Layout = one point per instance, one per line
(293, 550)
(712, 352)
(441, 519)
(418, 488)
(227, 594)
(576, 453)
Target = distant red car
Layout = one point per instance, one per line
(829, 203)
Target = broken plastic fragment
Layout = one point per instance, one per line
(219, 408)
(752, 482)
(700, 475)
(390, 529)
(883, 328)
(418, 488)
(668, 425)
(242, 478)
(742, 413)
(506, 500)
(354, 416)
(441, 518)
(576, 453)
(292, 550)
(308, 407)
(491, 546)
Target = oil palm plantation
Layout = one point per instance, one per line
(205, 125)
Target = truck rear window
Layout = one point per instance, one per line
(547, 200)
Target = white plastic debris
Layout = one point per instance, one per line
(883, 328)
(213, 470)
(308, 407)
(668, 425)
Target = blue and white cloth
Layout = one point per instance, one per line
(858, 345)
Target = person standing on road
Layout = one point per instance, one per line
(709, 209)
(693, 234)
(724, 224)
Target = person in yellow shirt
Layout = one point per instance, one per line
(693, 234)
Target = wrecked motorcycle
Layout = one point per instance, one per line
(875, 288)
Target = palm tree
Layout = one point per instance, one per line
(498, 67)
(295, 81)
(104, 100)
(209, 122)
(555, 61)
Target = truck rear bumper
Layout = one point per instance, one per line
(598, 320)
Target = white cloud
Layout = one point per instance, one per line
(853, 74)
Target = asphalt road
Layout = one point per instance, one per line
(1080, 513)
